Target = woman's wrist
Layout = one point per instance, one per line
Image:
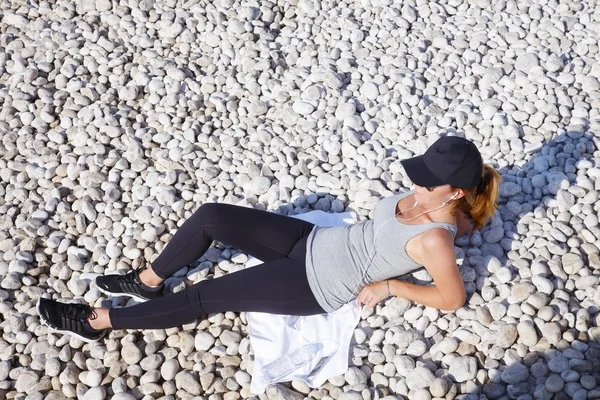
(387, 283)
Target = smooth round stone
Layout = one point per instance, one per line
(539, 369)
(169, 369)
(332, 80)
(565, 79)
(23, 337)
(25, 381)
(355, 376)
(570, 376)
(260, 185)
(542, 284)
(404, 364)
(389, 370)
(590, 83)
(131, 354)
(546, 313)
(91, 378)
(242, 377)
(558, 364)
(187, 380)
(345, 110)
(113, 250)
(463, 369)
(204, 341)
(338, 380)
(376, 358)
(515, 373)
(551, 331)
(52, 367)
(103, 5)
(301, 386)
(527, 333)
(588, 382)
(522, 291)
(582, 394)
(448, 345)
(370, 90)
(413, 314)
(572, 263)
(493, 390)
(422, 394)
(439, 387)
(493, 235)
(509, 189)
(95, 393)
(554, 384)
(416, 349)
(419, 378)
(538, 300)
(303, 107)
(554, 63)
(505, 336)
(360, 336)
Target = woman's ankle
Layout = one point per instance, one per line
(149, 277)
(100, 319)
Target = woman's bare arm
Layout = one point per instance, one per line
(440, 261)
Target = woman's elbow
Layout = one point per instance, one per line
(453, 307)
(456, 303)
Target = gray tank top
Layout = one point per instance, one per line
(336, 257)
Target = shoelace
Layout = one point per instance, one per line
(130, 278)
(78, 312)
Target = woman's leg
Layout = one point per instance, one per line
(277, 287)
(264, 235)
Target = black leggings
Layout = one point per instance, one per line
(278, 286)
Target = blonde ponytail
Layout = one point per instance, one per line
(480, 202)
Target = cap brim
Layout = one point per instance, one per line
(418, 172)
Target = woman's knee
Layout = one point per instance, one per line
(211, 212)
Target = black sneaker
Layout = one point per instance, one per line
(128, 285)
(70, 319)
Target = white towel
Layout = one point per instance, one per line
(274, 336)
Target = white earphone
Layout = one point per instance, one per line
(453, 196)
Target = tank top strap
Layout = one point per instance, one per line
(414, 230)
(449, 227)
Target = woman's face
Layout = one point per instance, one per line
(434, 196)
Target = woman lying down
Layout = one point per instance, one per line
(307, 269)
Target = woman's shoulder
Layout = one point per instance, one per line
(443, 228)
(439, 228)
(435, 241)
(438, 236)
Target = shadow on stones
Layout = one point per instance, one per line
(530, 326)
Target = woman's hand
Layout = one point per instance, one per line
(373, 294)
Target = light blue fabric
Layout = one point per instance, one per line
(336, 257)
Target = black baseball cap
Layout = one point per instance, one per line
(450, 160)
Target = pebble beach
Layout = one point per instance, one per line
(118, 119)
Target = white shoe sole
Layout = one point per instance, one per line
(52, 328)
(114, 294)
